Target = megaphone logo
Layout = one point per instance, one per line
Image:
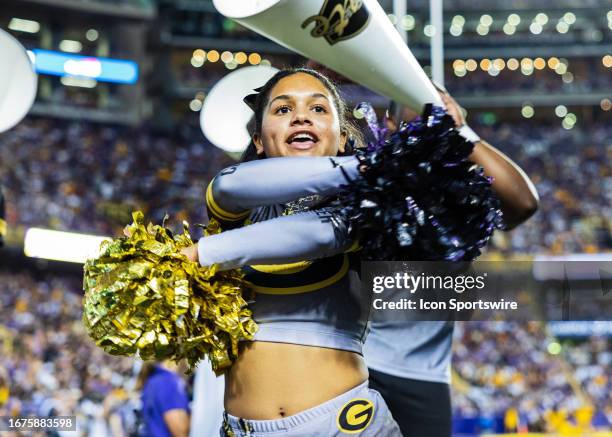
(339, 20)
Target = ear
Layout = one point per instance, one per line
(343, 140)
(258, 143)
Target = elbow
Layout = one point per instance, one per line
(521, 212)
(223, 186)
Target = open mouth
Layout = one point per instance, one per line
(302, 140)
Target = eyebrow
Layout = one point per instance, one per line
(286, 97)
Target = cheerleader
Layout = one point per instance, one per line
(304, 373)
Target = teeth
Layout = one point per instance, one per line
(303, 137)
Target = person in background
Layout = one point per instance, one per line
(409, 362)
(165, 402)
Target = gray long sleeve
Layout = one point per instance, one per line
(242, 187)
(303, 236)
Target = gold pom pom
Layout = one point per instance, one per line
(142, 296)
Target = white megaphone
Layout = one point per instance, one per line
(353, 37)
(224, 115)
(18, 82)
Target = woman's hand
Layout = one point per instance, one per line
(191, 253)
(453, 109)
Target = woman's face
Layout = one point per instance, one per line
(300, 119)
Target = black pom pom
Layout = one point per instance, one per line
(420, 198)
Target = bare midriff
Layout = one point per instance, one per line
(276, 380)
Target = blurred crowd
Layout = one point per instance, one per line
(48, 365)
(86, 177)
(505, 372)
(89, 178)
(514, 375)
(572, 173)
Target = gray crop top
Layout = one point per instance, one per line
(298, 255)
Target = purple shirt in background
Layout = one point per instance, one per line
(163, 391)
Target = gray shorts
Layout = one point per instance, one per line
(360, 411)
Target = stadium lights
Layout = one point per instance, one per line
(456, 30)
(213, 56)
(514, 19)
(486, 20)
(240, 58)
(561, 111)
(554, 348)
(197, 62)
(541, 18)
(539, 64)
(429, 30)
(61, 246)
(91, 35)
(536, 28)
(513, 64)
(21, 25)
(226, 57)
(457, 23)
(254, 58)
(562, 27)
(70, 46)
(569, 18)
(527, 111)
(459, 20)
(408, 23)
(499, 64)
(91, 67)
(569, 121)
(553, 62)
(100, 69)
(82, 82)
(195, 105)
(568, 77)
(509, 29)
(482, 30)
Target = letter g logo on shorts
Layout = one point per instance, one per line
(355, 416)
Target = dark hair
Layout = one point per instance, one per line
(145, 372)
(355, 138)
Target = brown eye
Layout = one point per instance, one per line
(282, 110)
(319, 108)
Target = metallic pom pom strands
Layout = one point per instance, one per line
(142, 296)
(420, 197)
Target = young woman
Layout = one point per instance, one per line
(303, 373)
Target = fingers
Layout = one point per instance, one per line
(191, 252)
(453, 108)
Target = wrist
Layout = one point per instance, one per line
(468, 133)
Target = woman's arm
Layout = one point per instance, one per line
(518, 196)
(239, 188)
(303, 236)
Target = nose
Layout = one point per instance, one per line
(301, 115)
